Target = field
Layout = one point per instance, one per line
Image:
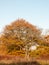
(22, 63)
(25, 63)
(14, 60)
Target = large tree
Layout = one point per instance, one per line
(20, 35)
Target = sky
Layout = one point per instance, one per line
(35, 12)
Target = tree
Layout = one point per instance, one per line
(46, 37)
(20, 35)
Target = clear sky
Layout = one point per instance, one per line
(34, 11)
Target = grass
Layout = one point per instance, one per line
(22, 63)
(25, 63)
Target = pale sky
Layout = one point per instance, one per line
(34, 11)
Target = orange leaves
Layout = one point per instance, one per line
(41, 51)
(47, 39)
(8, 27)
(21, 35)
(17, 52)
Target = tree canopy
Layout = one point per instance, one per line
(20, 36)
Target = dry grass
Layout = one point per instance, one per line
(22, 63)
(18, 60)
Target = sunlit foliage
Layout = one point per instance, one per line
(19, 36)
